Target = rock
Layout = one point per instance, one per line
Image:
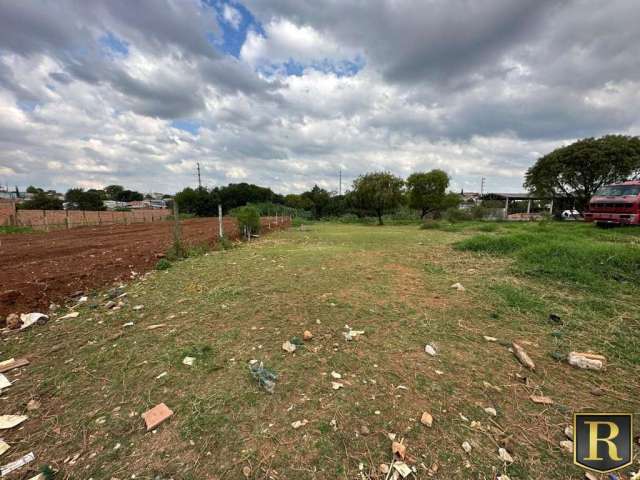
(466, 446)
(383, 468)
(491, 411)
(541, 399)
(289, 347)
(336, 375)
(33, 404)
(597, 392)
(188, 361)
(13, 321)
(430, 349)
(137, 308)
(505, 456)
(156, 415)
(299, 423)
(426, 419)
(458, 286)
(307, 335)
(336, 385)
(522, 356)
(9, 297)
(589, 361)
(364, 430)
(567, 446)
(568, 431)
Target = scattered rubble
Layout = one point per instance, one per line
(337, 385)
(265, 376)
(299, 423)
(188, 361)
(289, 347)
(336, 375)
(458, 286)
(522, 356)
(590, 361)
(430, 349)
(466, 446)
(351, 334)
(157, 415)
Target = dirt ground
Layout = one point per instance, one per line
(42, 268)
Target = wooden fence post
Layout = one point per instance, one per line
(46, 221)
(66, 219)
(220, 230)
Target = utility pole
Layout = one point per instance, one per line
(482, 186)
(340, 185)
(199, 181)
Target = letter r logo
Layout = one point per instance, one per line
(603, 441)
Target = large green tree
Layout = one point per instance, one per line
(378, 192)
(426, 191)
(319, 199)
(579, 169)
(42, 201)
(81, 200)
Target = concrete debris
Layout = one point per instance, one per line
(299, 423)
(188, 361)
(490, 339)
(567, 446)
(70, 315)
(336, 375)
(351, 334)
(289, 347)
(336, 385)
(466, 446)
(430, 349)
(504, 455)
(491, 411)
(10, 421)
(157, 415)
(541, 399)
(522, 356)
(590, 361)
(426, 419)
(21, 462)
(307, 335)
(458, 286)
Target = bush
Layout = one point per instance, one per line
(457, 215)
(224, 244)
(247, 217)
(163, 264)
(430, 225)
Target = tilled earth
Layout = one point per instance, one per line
(39, 268)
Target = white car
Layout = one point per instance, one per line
(570, 214)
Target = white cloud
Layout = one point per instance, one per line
(232, 16)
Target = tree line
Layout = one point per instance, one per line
(78, 198)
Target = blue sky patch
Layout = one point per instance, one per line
(191, 126)
(232, 38)
(114, 44)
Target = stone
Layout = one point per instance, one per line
(307, 335)
(426, 419)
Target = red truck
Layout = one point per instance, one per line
(616, 204)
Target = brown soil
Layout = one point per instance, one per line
(48, 267)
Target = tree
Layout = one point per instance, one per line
(82, 200)
(427, 190)
(378, 192)
(199, 201)
(114, 191)
(580, 169)
(42, 201)
(319, 199)
(129, 196)
(32, 189)
(299, 202)
(239, 194)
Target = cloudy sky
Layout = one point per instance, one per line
(285, 93)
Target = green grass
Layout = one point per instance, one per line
(228, 307)
(11, 229)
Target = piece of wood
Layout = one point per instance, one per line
(522, 356)
(541, 399)
(13, 363)
(156, 416)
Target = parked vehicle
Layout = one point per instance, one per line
(617, 204)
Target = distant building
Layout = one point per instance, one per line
(469, 200)
(113, 205)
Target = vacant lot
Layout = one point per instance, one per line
(95, 374)
(47, 267)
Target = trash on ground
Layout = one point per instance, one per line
(336, 385)
(426, 419)
(466, 446)
(351, 334)
(567, 446)
(555, 318)
(264, 376)
(490, 339)
(157, 415)
(590, 361)
(299, 423)
(128, 324)
(399, 449)
(430, 349)
(188, 361)
(568, 431)
(21, 462)
(157, 325)
(28, 319)
(504, 455)
(70, 315)
(138, 307)
(4, 382)
(289, 347)
(491, 411)
(541, 399)
(12, 363)
(307, 335)
(163, 374)
(458, 286)
(522, 356)
(336, 375)
(4, 446)
(402, 468)
(10, 421)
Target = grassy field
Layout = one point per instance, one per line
(94, 376)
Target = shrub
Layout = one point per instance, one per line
(163, 264)
(249, 217)
(456, 215)
(430, 225)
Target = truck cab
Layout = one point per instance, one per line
(616, 204)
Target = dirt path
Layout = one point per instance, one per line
(47, 267)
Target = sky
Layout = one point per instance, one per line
(288, 93)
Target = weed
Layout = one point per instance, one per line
(163, 264)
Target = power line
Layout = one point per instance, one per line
(482, 186)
